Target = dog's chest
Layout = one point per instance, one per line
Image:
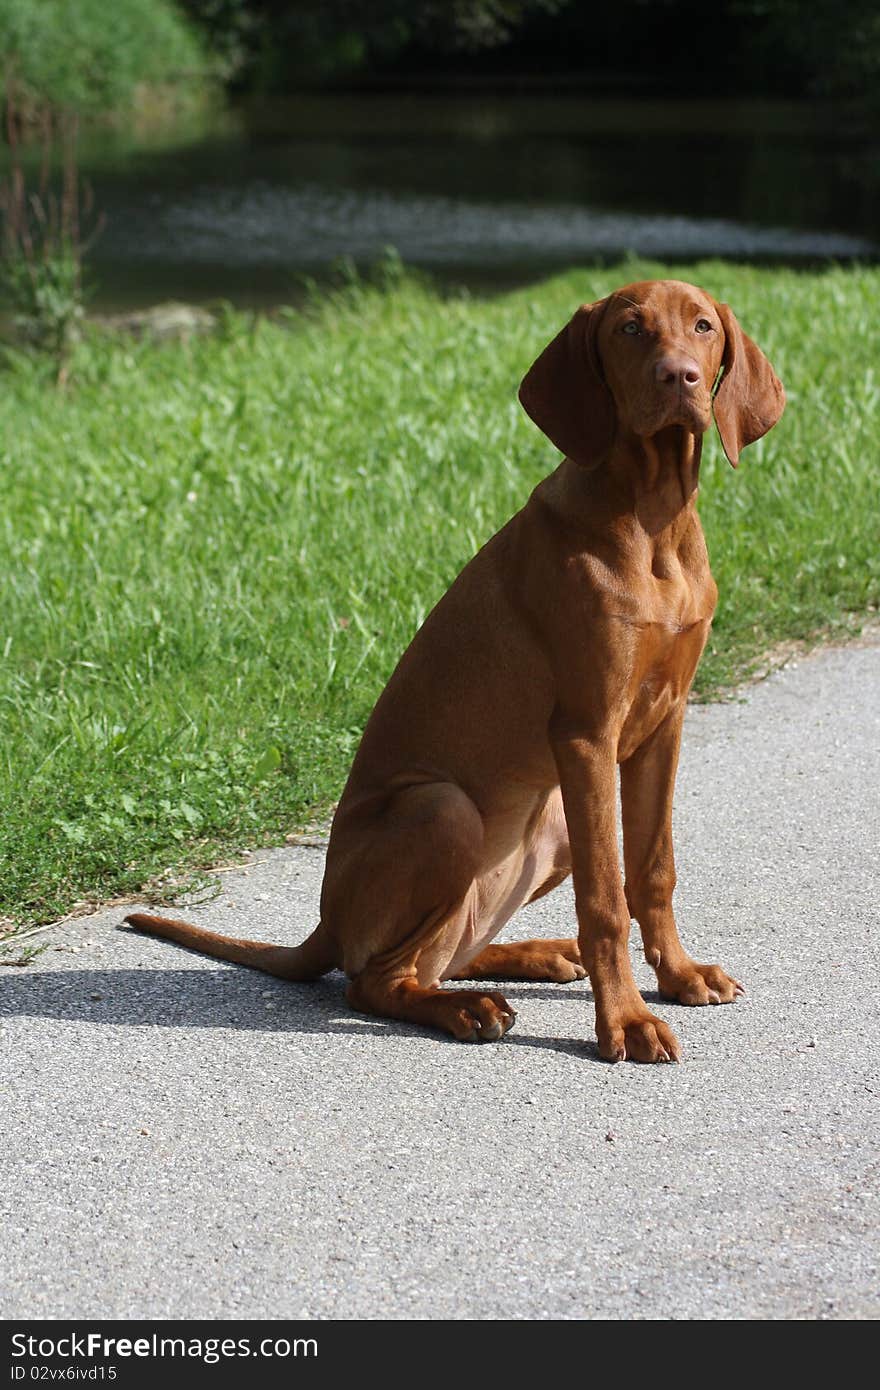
(666, 658)
(668, 625)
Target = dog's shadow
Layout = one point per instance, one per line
(239, 1000)
(171, 998)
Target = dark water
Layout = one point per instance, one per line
(484, 190)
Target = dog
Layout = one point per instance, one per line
(564, 650)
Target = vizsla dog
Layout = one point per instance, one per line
(565, 648)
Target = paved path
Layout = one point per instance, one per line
(184, 1138)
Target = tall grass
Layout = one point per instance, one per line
(213, 552)
(46, 232)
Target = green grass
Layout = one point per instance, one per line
(214, 552)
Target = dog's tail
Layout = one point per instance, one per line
(306, 962)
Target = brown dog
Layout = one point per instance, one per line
(567, 646)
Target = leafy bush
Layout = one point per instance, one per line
(90, 56)
(46, 299)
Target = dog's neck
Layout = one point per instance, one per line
(656, 477)
(643, 485)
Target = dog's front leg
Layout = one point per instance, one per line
(587, 773)
(647, 781)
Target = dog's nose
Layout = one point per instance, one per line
(677, 371)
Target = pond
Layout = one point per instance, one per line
(483, 189)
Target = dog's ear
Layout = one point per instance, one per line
(750, 398)
(564, 391)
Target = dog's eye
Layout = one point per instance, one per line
(703, 326)
(631, 327)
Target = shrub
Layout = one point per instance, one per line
(90, 56)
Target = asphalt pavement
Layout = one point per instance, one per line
(184, 1138)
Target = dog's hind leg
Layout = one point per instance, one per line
(469, 1015)
(400, 890)
(556, 960)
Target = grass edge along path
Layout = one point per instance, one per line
(213, 552)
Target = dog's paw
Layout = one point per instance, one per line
(557, 961)
(698, 984)
(640, 1038)
(472, 1016)
(562, 963)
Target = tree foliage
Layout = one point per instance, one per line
(827, 47)
(775, 47)
(90, 55)
(315, 39)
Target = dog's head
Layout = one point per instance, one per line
(649, 356)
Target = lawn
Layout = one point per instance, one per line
(213, 552)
